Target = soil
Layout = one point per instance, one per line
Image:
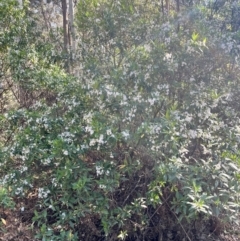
(17, 225)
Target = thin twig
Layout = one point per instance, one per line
(131, 192)
(178, 221)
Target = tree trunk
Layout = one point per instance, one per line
(65, 33)
(167, 7)
(178, 10)
(71, 32)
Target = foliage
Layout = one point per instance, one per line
(149, 128)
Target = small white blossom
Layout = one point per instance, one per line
(23, 169)
(25, 182)
(125, 134)
(99, 170)
(167, 57)
(46, 161)
(102, 186)
(89, 129)
(18, 190)
(92, 142)
(25, 150)
(188, 119)
(100, 140)
(43, 193)
(109, 132)
(192, 134)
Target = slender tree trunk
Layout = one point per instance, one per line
(65, 24)
(167, 7)
(65, 33)
(72, 38)
(178, 10)
(44, 15)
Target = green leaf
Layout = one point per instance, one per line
(194, 36)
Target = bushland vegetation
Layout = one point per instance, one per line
(124, 125)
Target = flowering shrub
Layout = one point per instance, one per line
(149, 129)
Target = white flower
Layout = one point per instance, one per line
(188, 119)
(99, 170)
(65, 152)
(84, 147)
(168, 56)
(109, 132)
(38, 120)
(25, 150)
(46, 161)
(18, 190)
(63, 215)
(102, 186)
(192, 134)
(23, 169)
(25, 182)
(125, 134)
(89, 129)
(151, 101)
(88, 117)
(92, 142)
(42, 193)
(54, 182)
(100, 140)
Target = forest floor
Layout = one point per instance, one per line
(17, 225)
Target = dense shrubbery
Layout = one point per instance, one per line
(146, 136)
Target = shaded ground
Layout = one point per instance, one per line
(17, 225)
(14, 228)
(163, 225)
